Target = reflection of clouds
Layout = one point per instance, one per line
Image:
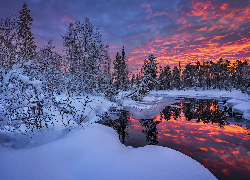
(222, 150)
(212, 139)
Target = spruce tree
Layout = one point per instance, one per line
(89, 62)
(120, 71)
(8, 39)
(149, 81)
(188, 76)
(132, 82)
(165, 78)
(176, 78)
(27, 45)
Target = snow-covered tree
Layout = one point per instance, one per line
(49, 63)
(176, 81)
(165, 78)
(149, 81)
(8, 42)
(241, 75)
(26, 42)
(120, 71)
(132, 81)
(189, 77)
(21, 100)
(89, 62)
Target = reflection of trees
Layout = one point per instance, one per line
(120, 124)
(166, 113)
(206, 110)
(176, 112)
(169, 111)
(150, 130)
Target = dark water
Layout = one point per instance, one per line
(196, 127)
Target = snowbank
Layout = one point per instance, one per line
(95, 152)
(149, 107)
(238, 101)
(200, 93)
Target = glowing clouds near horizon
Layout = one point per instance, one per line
(208, 31)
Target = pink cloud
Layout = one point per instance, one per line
(149, 10)
(160, 13)
(67, 18)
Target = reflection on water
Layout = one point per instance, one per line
(197, 128)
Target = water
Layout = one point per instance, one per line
(198, 128)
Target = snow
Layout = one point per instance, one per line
(246, 115)
(200, 93)
(241, 108)
(90, 151)
(95, 152)
(155, 102)
(240, 102)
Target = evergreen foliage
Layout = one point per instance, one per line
(165, 78)
(120, 72)
(176, 81)
(26, 43)
(149, 80)
(89, 62)
(8, 39)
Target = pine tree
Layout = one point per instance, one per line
(120, 71)
(27, 45)
(165, 78)
(89, 62)
(149, 81)
(176, 78)
(188, 76)
(8, 39)
(49, 63)
(132, 82)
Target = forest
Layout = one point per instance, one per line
(31, 77)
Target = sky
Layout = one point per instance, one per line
(171, 30)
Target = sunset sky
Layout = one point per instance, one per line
(172, 30)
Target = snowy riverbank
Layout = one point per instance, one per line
(90, 152)
(238, 101)
(95, 152)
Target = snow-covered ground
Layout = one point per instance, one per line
(90, 151)
(95, 152)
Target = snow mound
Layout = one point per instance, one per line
(95, 152)
(246, 114)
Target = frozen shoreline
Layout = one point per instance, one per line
(238, 101)
(95, 152)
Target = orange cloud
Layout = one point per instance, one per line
(202, 9)
(200, 38)
(202, 29)
(187, 46)
(224, 6)
(215, 26)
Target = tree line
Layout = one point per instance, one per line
(204, 76)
